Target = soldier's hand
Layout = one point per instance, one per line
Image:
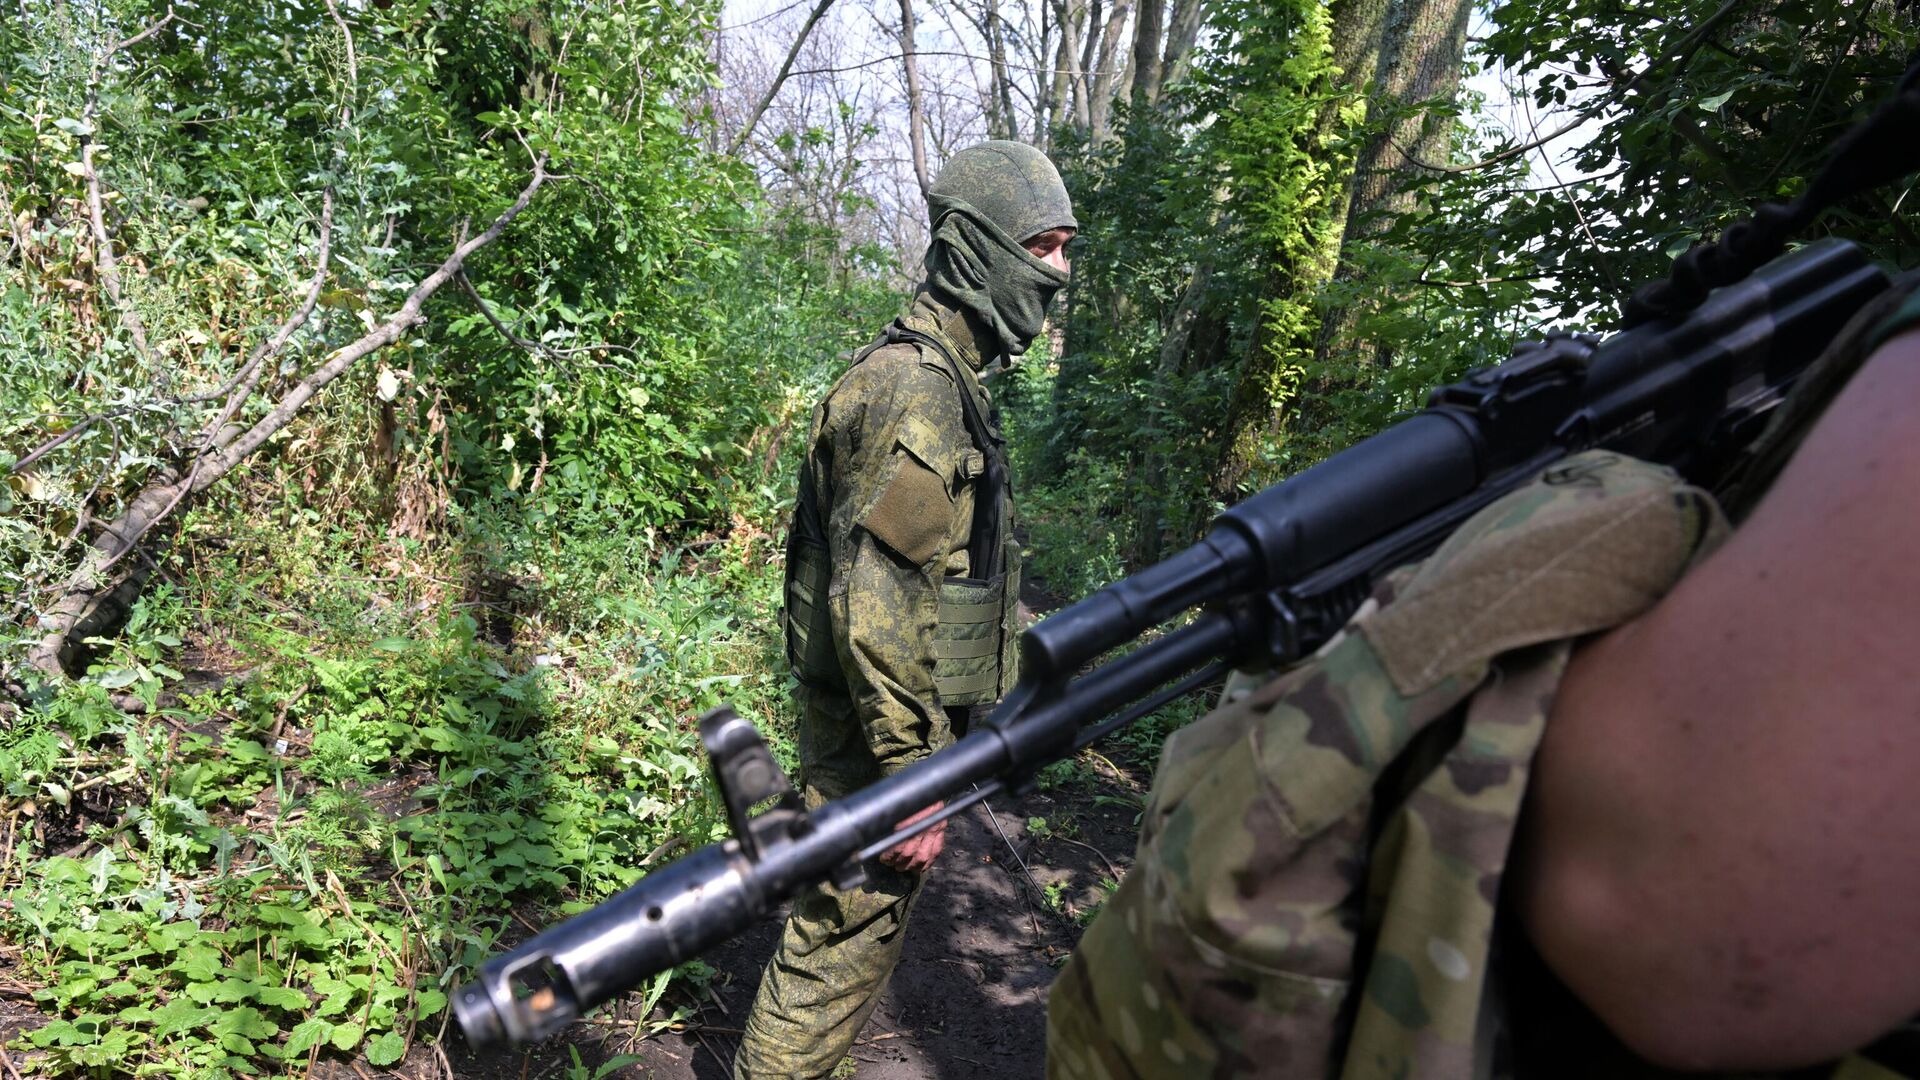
(917, 854)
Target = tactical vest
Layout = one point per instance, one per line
(975, 656)
(1319, 864)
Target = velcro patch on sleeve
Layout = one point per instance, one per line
(1593, 543)
(914, 513)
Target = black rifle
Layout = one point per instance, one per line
(1276, 575)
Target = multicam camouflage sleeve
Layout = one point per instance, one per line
(1317, 868)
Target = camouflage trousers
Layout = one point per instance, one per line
(834, 958)
(839, 946)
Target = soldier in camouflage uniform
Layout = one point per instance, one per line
(1322, 861)
(903, 577)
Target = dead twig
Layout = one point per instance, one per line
(104, 258)
(1022, 864)
(1115, 874)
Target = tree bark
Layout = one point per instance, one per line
(1100, 95)
(1060, 88)
(1420, 62)
(1183, 31)
(1002, 84)
(1083, 76)
(916, 110)
(1146, 53)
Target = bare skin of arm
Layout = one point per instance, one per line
(1722, 855)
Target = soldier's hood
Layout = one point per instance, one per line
(973, 264)
(987, 201)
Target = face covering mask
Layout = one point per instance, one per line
(983, 270)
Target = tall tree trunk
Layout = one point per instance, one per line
(1357, 37)
(916, 109)
(1100, 96)
(1001, 86)
(1060, 88)
(1183, 30)
(1146, 54)
(1425, 44)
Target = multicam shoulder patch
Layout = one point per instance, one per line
(1280, 921)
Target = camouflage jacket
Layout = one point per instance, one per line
(1320, 862)
(890, 484)
(1280, 912)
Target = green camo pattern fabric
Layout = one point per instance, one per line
(1279, 922)
(985, 204)
(896, 476)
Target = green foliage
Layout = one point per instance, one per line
(467, 606)
(1180, 313)
(301, 857)
(1691, 136)
(1196, 313)
(424, 667)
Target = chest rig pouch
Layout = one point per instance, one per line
(975, 659)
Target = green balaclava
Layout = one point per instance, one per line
(986, 202)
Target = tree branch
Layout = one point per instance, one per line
(537, 348)
(916, 110)
(942, 52)
(210, 435)
(103, 257)
(779, 79)
(233, 446)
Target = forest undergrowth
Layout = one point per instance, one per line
(290, 801)
(414, 393)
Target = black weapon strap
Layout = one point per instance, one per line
(983, 545)
(1878, 150)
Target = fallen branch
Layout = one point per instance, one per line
(210, 436)
(231, 446)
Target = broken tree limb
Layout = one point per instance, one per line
(210, 435)
(78, 595)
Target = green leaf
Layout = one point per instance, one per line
(345, 1036)
(386, 1049)
(245, 1022)
(1712, 104)
(282, 997)
(429, 1003)
(119, 678)
(307, 1036)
